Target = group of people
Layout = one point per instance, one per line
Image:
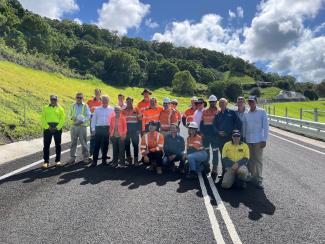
(153, 130)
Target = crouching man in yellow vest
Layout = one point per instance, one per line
(79, 116)
(235, 156)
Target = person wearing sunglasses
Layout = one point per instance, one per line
(235, 156)
(79, 117)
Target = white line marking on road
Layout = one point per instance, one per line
(30, 165)
(213, 219)
(311, 149)
(221, 207)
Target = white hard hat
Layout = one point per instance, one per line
(213, 98)
(193, 125)
(166, 100)
(174, 101)
(194, 99)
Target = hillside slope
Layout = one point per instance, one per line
(26, 91)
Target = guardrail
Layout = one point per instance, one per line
(304, 127)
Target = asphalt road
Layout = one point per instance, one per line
(74, 204)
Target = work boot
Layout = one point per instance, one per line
(136, 161)
(129, 160)
(45, 165)
(113, 163)
(58, 164)
(159, 170)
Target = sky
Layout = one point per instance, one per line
(284, 36)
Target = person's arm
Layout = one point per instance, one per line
(166, 148)
(62, 119)
(43, 119)
(70, 117)
(184, 119)
(94, 121)
(88, 114)
(238, 123)
(143, 146)
(265, 126)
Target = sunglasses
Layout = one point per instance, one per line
(79, 97)
(236, 136)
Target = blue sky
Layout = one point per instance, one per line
(285, 36)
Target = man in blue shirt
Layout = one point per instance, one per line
(224, 123)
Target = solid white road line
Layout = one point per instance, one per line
(213, 219)
(311, 149)
(30, 165)
(221, 207)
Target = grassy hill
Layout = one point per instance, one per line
(26, 91)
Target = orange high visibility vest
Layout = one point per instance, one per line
(152, 141)
(208, 115)
(189, 115)
(143, 105)
(195, 142)
(150, 114)
(166, 118)
(132, 115)
(93, 104)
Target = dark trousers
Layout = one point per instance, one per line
(101, 142)
(132, 136)
(91, 144)
(118, 149)
(47, 138)
(211, 141)
(179, 157)
(157, 157)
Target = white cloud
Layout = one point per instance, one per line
(121, 15)
(78, 21)
(277, 36)
(53, 9)
(208, 33)
(240, 12)
(151, 24)
(232, 14)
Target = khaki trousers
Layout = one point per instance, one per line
(230, 176)
(79, 133)
(255, 163)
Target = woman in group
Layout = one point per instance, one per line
(196, 155)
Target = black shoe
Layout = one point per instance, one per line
(191, 175)
(259, 186)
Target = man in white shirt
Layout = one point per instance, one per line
(200, 105)
(255, 129)
(100, 128)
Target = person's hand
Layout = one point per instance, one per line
(171, 157)
(235, 167)
(52, 129)
(222, 133)
(146, 159)
(263, 144)
(92, 133)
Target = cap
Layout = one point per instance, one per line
(236, 132)
(252, 98)
(193, 125)
(166, 100)
(117, 107)
(194, 99)
(146, 90)
(54, 97)
(153, 123)
(174, 101)
(121, 95)
(213, 98)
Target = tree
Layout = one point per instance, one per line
(184, 83)
(320, 89)
(255, 92)
(283, 84)
(161, 73)
(233, 90)
(217, 88)
(207, 75)
(311, 95)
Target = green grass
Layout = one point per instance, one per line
(244, 80)
(294, 109)
(24, 88)
(269, 92)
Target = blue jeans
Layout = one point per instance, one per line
(197, 160)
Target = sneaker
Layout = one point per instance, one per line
(58, 164)
(159, 170)
(113, 163)
(87, 161)
(45, 165)
(71, 161)
(122, 163)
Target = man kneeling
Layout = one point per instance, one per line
(152, 144)
(235, 156)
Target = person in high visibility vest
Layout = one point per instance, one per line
(152, 144)
(52, 118)
(133, 120)
(79, 116)
(235, 156)
(188, 113)
(151, 114)
(167, 117)
(174, 104)
(145, 103)
(196, 155)
(208, 132)
(93, 103)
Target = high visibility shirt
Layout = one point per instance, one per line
(121, 126)
(94, 103)
(235, 152)
(150, 114)
(143, 105)
(152, 142)
(82, 110)
(52, 114)
(206, 124)
(188, 115)
(178, 115)
(166, 118)
(133, 117)
(194, 143)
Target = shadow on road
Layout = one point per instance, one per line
(251, 197)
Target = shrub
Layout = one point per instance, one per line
(184, 83)
(255, 92)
